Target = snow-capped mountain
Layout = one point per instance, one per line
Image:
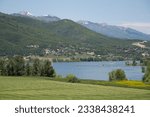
(47, 18)
(115, 31)
(23, 13)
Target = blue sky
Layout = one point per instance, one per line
(131, 13)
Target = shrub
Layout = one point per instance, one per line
(72, 78)
(117, 75)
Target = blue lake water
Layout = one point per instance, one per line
(96, 70)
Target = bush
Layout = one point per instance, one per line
(117, 75)
(72, 78)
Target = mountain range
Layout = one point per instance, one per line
(115, 31)
(102, 28)
(27, 35)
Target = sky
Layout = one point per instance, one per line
(129, 13)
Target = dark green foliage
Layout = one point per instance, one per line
(19, 65)
(48, 69)
(143, 69)
(117, 75)
(16, 66)
(120, 75)
(72, 78)
(28, 69)
(2, 66)
(146, 77)
(10, 68)
(36, 67)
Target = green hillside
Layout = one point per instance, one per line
(26, 88)
(18, 34)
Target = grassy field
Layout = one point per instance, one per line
(25, 88)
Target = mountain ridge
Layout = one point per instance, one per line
(115, 31)
(102, 28)
(46, 18)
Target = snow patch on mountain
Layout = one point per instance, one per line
(26, 13)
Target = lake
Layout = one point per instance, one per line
(96, 70)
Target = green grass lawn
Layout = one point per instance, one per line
(25, 88)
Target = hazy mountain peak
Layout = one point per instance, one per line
(103, 24)
(26, 13)
(83, 22)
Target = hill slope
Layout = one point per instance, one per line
(25, 36)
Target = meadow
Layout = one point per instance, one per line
(42, 88)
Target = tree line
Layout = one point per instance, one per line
(17, 66)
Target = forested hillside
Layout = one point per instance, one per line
(27, 36)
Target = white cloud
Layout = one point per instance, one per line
(143, 27)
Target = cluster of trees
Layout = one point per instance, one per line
(116, 75)
(146, 77)
(17, 66)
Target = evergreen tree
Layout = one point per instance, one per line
(28, 69)
(10, 67)
(42, 72)
(19, 66)
(36, 67)
(48, 69)
(16, 66)
(2, 67)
